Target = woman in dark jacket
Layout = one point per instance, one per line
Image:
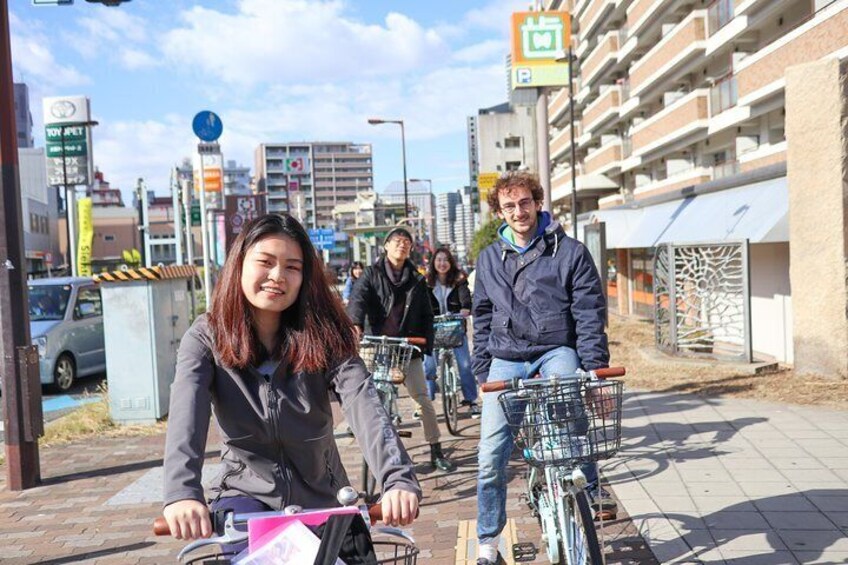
(449, 294)
(274, 342)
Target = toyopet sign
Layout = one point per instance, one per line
(66, 140)
(538, 38)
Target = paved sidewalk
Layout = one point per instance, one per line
(734, 481)
(99, 499)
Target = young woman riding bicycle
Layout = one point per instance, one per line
(275, 342)
(450, 295)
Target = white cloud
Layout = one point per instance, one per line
(299, 41)
(114, 35)
(134, 59)
(485, 51)
(32, 59)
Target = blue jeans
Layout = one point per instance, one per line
(496, 439)
(467, 382)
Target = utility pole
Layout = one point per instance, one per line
(22, 417)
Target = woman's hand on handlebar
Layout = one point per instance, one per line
(188, 519)
(400, 507)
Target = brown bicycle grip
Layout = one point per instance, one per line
(496, 386)
(610, 372)
(161, 527)
(417, 341)
(375, 512)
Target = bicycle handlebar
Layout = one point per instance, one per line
(161, 527)
(605, 373)
(416, 341)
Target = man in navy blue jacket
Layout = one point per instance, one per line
(538, 308)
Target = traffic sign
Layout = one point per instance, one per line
(207, 125)
(322, 238)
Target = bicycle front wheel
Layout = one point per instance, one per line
(580, 539)
(449, 376)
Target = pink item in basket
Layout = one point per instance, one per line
(262, 530)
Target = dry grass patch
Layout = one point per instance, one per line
(629, 336)
(91, 420)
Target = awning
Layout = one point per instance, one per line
(758, 212)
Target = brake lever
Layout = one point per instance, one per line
(230, 536)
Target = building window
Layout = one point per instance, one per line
(108, 238)
(512, 142)
(513, 165)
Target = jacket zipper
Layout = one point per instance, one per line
(272, 413)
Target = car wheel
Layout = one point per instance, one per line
(65, 373)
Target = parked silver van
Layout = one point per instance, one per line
(66, 323)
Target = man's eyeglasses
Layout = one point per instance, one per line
(400, 242)
(512, 207)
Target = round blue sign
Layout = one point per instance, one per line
(207, 125)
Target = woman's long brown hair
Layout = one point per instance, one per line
(315, 331)
(454, 274)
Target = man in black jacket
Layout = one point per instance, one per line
(396, 301)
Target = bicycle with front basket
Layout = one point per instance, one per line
(449, 330)
(560, 423)
(387, 359)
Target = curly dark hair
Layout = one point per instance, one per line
(512, 180)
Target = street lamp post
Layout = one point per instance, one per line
(378, 121)
(568, 56)
(70, 203)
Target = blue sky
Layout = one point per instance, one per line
(275, 71)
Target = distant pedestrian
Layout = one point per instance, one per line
(274, 343)
(353, 275)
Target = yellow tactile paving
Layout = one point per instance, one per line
(466, 542)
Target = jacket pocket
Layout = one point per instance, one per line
(500, 322)
(553, 330)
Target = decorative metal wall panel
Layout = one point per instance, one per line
(702, 300)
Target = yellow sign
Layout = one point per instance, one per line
(213, 179)
(485, 183)
(538, 39)
(86, 236)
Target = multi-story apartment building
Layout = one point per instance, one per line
(676, 99)
(422, 206)
(236, 178)
(332, 173)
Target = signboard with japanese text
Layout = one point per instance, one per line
(213, 172)
(322, 238)
(240, 209)
(67, 137)
(538, 38)
(86, 236)
(485, 183)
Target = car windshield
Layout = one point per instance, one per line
(48, 302)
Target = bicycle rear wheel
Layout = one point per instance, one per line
(449, 376)
(579, 538)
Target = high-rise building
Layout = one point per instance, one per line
(23, 116)
(309, 179)
(455, 221)
(422, 206)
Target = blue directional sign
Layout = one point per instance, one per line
(322, 238)
(207, 125)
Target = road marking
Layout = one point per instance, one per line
(466, 542)
(65, 401)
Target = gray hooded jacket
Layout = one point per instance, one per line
(276, 432)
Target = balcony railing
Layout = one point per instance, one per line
(594, 63)
(603, 159)
(719, 14)
(682, 43)
(678, 120)
(814, 39)
(723, 95)
(606, 104)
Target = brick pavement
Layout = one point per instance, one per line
(82, 514)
